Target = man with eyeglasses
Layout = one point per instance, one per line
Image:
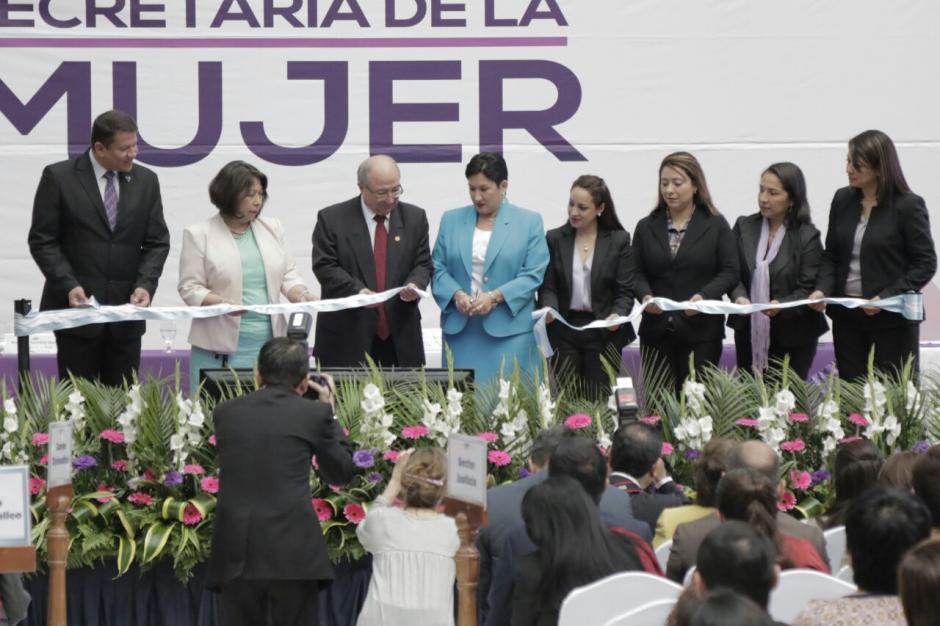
(369, 244)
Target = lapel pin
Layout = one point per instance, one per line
(397, 237)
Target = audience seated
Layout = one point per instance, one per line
(637, 468)
(898, 470)
(412, 548)
(881, 525)
(577, 457)
(925, 479)
(722, 607)
(707, 471)
(919, 583)
(504, 508)
(854, 471)
(749, 496)
(758, 456)
(574, 549)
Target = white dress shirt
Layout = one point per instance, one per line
(581, 282)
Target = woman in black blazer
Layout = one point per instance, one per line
(589, 277)
(779, 252)
(684, 250)
(878, 245)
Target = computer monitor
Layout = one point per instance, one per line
(224, 382)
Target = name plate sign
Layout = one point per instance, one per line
(60, 454)
(14, 506)
(466, 469)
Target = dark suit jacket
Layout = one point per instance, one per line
(792, 277)
(73, 245)
(265, 526)
(707, 264)
(897, 253)
(504, 508)
(689, 537)
(647, 506)
(344, 264)
(612, 274)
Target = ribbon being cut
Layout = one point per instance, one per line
(910, 305)
(93, 313)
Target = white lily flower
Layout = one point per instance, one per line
(10, 424)
(9, 406)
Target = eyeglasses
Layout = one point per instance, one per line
(382, 194)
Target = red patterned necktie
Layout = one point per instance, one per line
(379, 250)
(110, 199)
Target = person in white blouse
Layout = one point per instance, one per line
(236, 257)
(413, 547)
(589, 277)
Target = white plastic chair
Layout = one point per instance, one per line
(799, 586)
(835, 547)
(846, 574)
(609, 597)
(650, 614)
(662, 554)
(687, 579)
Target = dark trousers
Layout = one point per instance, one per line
(383, 352)
(853, 336)
(578, 354)
(287, 602)
(675, 353)
(107, 358)
(801, 357)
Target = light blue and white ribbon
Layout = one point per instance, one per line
(910, 305)
(61, 319)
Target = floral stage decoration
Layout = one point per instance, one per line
(146, 476)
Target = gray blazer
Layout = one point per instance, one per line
(689, 537)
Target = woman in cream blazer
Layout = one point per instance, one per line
(236, 257)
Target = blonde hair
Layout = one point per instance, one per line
(424, 478)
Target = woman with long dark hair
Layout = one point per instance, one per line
(878, 245)
(684, 250)
(574, 549)
(749, 496)
(855, 470)
(589, 277)
(779, 253)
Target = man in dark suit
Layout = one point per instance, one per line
(637, 468)
(755, 455)
(268, 552)
(98, 230)
(369, 244)
(736, 556)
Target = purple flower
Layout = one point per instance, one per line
(821, 476)
(363, 458)
(523, 472)
(921, 446)
(691, 455)
(374, 477)
(172, 478)
(84, 462)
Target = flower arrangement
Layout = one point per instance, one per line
(146, 474)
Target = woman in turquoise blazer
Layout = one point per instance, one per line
(489, 260)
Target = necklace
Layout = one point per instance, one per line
(586, 243)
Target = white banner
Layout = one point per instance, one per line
(306, 89)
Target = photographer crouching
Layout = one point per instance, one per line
(268, 553)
